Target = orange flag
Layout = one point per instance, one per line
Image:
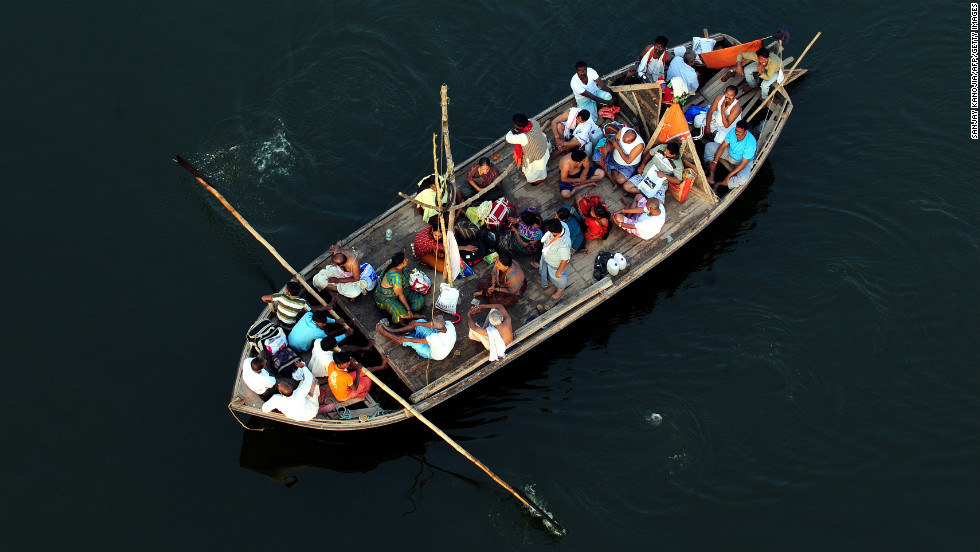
(726, 56)
(675, 125)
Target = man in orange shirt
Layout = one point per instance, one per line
(345, 380)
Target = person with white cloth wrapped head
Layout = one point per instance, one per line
(498, 332)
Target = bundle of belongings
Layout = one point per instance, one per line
(269, 341)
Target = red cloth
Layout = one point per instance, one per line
(518, 150)
(609, 111)
(726, 57)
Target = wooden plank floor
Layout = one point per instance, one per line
(416, 372)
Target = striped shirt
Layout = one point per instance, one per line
(288, 308)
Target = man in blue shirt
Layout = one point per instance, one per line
(315, 325)
(739, 150)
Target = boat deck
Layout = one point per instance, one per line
(430, 382)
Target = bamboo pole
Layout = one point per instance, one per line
(442, 222)
(518, 494)
(450, 178)
(786, 76)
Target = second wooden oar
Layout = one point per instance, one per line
(537, 510)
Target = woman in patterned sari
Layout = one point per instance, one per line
(527, 233)
(393, 294)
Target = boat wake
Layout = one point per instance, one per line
(263, 150)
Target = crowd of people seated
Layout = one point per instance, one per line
(491, 229)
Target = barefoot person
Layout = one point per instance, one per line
(577, 174)
(739, 150)
(660, 165)
(763, 71)
(574, 130)
(341, 274)
(644, 218)
(506, 282)
(345, 380)
(724, 112)
(620, 155)
(498, 332)
(434, 340)
(531, 148)
(589, 89)
(479, 177)
(393, 295)
(653, 60)
(556, 250)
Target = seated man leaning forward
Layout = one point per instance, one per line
(498, 332)
(574, 130)
(287, 306)
(531, 148)
(739, 150)
(506, 282)
(433, 340)
(256, 377)
(620, 155)
(556, 250)
(660, 165)
(762, 72)
(345, 380)
(321, 355)
(296, 402)
(644, 218)
(341, 274)
(577, 173)
(315, 325)
(682, 67)
(653, 60)
(589, 89)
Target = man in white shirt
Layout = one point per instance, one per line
(589, 89)
(434, 340)
(556, 250)
(296, 402)
(644, 218)
(573, 130)
(321, 354)
(531, 148)
(652, 62)
(256, 377)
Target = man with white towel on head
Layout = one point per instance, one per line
(497, 334)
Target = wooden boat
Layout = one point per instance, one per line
(428, 383)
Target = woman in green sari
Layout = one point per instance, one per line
(393, 294)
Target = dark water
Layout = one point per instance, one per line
(813, 354)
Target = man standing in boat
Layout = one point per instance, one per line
(556, 250)
(739, 150)
(531, 148)
(498, 332)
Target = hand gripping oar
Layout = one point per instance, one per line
(537, 510)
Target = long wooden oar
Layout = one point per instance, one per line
(772, 92)
(548, 519)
